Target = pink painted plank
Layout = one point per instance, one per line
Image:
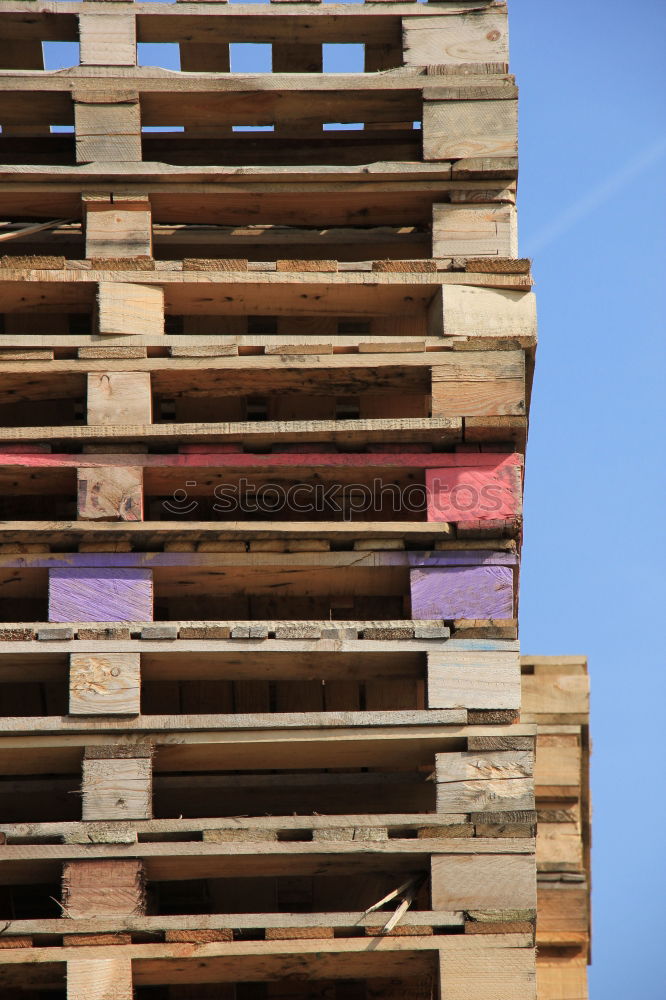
(462, 592)
(97, 594)
(474, 494)
(239, 460)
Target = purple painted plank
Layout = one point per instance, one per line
(100, 595)
(463, 557)
(462, 592)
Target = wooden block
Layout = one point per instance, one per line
(453, 130)
(462, 592)
(108, 39)
(306, 265)
(215, 264)
(479, 382)
(479, 230)
(495, 781)
(107, 132)
(405, 266)
(483, 881)
(117, 789)
(480, 37)
(498, 265)
(112, 351)
(100, 594)
(104, 683)
(473, 680)
(100, 979)
(110, 493)
(487, 971)
(561, 978)
(459, 494)
(126, 308)
(199, 937)
(88, 940)
(113, 888)
(297, 933)
(118, 228)
(119, 398)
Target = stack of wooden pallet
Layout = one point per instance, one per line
(264, 406)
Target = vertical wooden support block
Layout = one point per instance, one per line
(107, 127)
(473, 680)
(485, 590)
(483, 882)
(474, 231)
(128, 308)
(104, 684)
(100, 594)
(110, 493)
(113, 888)
(479, 383)
(483, 971)
(457, 129)
(465, 311)
(485, 781)
(119, 398)
(464, 493)
(108, 38)
(100, 979)
(118, 226)
(481, 37)
(116, 787)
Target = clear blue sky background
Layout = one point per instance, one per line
(591, 199)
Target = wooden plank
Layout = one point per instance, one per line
(456, 129)
(104, 683)
(119, 398)
(99, 594)
(117, 226)
(126, 308)
(473, 680)
(483, 882)
(110, 493)
(462, 592)
(107, 131)
(103, 888)
(100, 978)
(478, 37)
(108, 39)
(474, 230)
(117, 789)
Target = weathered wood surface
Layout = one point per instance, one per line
(125, 308)
(100, 593)
(110, 493)
(474, 231)
(462, 592)
(484, 882)
(118, 398)
(104, 683)
(117, 789)
(105, 888)
(473, 679)
(108, 978)
(478, 37)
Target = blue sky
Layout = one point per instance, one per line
(591, 211)
(591, 200)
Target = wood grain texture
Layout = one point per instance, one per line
(99, 594)
(459, 129)
(462, 592)
(467, 494)
(127, 308)
(473, 680)
(107, 131)
(117, 789)
(119, 228)
(474, 230)
(110, 493)
(477, 37)
(103, 888)
(104, 683)
(479, 383)
(108, 39)
(119, 398)
(500, 973)
(483, 882)
(100, 978)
